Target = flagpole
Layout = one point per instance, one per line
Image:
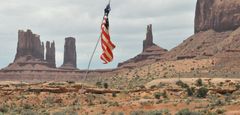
(95, 48)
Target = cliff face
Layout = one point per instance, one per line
(216, 31)
(29, 44)
(219, 15)
(70, 55)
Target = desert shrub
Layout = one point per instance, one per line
(55, 83)
(182, 84)
(105, 85)
(48, 100)
(29, 112)
(113, 104)
(137, 113)
(114, 94)
(120, 113)
(161, 85)
(27, 106)
(199, 82)
(70, 82)
(153, 112)
(164, 94)
(157, 95)
(4, 108)
(59, 113)
(238, 86)
(190, 91)
(99, 84)
(115, 113)
(220, 111)
(187, 112)
(218, 102)
(202, 92)
(153, 87)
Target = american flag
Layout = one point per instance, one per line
(107, 45)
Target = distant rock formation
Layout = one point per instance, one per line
(219, 15)
(50, 54)
(29, 44)
(30, 53)
(148, 42)
(70, 55)
(151, 53)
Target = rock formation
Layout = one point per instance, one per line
(70, 55)
(151, 52)
(30, 53)
(29, 44)
(219, 15)
(217, 32)
(50, 54)
(148, 42)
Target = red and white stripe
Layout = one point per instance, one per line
(107, 45)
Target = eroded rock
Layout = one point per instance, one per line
(219, 15)
(70, 55)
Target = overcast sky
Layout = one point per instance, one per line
(173, 21)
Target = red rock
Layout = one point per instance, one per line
(29, 44)
(70, 55)
(151, 53)
(50, 54)
(219, 15)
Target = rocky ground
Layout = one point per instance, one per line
(167, 96)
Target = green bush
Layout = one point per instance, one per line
(99, 84)
(188, 112)
(113, 104)
(181, 84)
(199, 82)
(59, 113)
(164, 94)
(220, 111)
(153, 112)
(238, 86)
(114, 94)
(105, 85)
(202, 92)
(27, 106)
(4, 108)
(190, 91)
(119, 113)
(29, 112)
(157, 95)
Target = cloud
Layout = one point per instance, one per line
(56, 19)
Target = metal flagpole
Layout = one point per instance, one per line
(95, 48)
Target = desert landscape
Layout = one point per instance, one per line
(200, 76)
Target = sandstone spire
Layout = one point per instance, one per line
(50, 54)
(70, 55)
(148, 42)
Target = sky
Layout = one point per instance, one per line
(54, 20)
